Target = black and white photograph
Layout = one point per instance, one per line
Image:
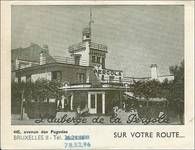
(97, 75)
(97, 65)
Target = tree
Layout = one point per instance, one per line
(20, 92)
(172, 90)
(44, 89)
(147, 89)
(177, 91)
(39, 90)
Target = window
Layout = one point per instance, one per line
(93, 59)
(102, 78)
(93, 101)
(77, 60)
(111, 78)
(87, 36)
(103, 63)
(81, 77)
(59, 75)
(56, 75)
(120, 79)
(98, 59)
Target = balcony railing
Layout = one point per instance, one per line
(68, 60)
(98, 46)
(81, 45)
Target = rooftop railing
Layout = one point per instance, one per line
(81, 45)
(49, 60)
(68, 60)
(98, 46)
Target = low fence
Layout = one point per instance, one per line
(36, 110)
(40, 109)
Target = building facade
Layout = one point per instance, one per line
(88, 85)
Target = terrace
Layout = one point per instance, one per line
(81, 46)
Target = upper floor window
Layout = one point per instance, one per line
(102, 78)
(77, 60)
(81, 77)
(111, 78)
(56, 75)
(87, 36)
(98, 59)
(93, 59)
(120, 80)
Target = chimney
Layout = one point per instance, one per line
(42, 58)
(154, 74)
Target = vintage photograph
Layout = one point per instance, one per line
(97, 65)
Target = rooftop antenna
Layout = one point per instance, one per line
(90, 22)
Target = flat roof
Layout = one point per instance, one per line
(49, 65)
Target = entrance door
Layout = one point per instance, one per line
(68, 101)
(99, 103)
(96, 102)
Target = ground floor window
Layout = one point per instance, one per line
(92, 100)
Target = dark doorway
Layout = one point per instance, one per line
(103, 63)
(67, 103)
(99, 103)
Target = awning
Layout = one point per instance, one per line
(130, 95)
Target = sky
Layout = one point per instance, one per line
(136, 36)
